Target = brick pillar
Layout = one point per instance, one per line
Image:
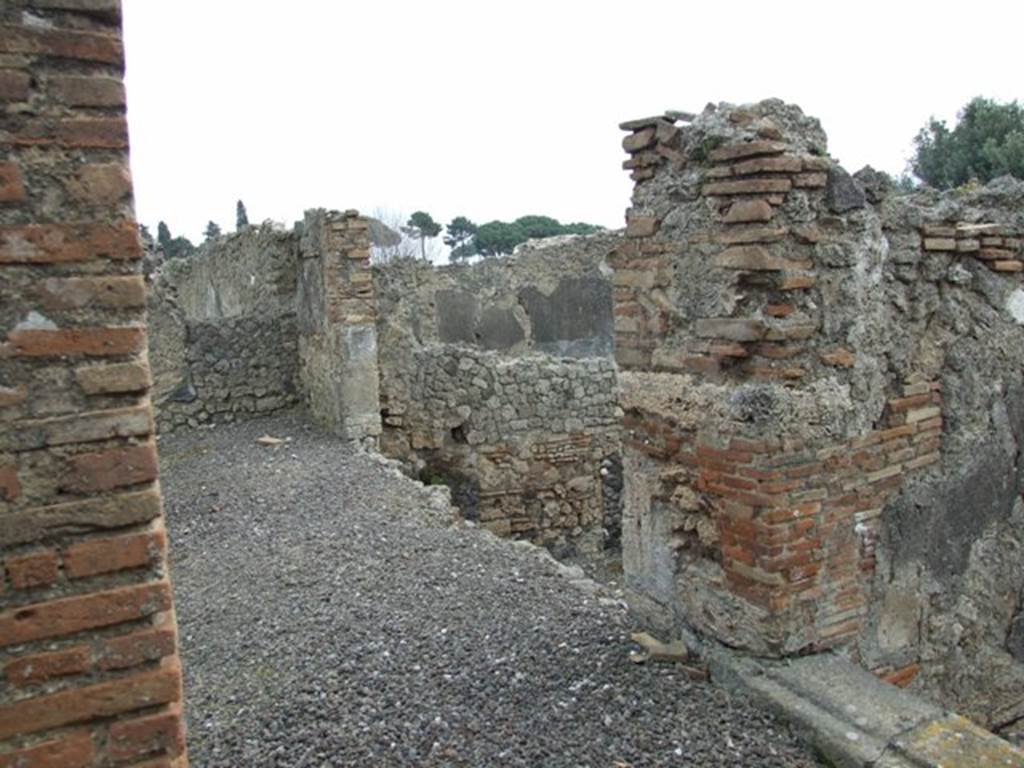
(755, 483)
(89, 672)
(337, 315)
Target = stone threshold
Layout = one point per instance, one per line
(856, 720)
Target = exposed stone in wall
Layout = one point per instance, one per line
(821, 381)
(88, 659)
(223, 342)
(337, 313)
(496, 379)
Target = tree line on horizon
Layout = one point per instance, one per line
(986, 142)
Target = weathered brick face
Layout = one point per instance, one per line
(823, 397)
(88, 658)
(774, 519)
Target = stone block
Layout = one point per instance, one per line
(748, 211)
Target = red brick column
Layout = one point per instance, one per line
(89, 673)
(763, 538)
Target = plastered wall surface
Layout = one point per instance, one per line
(89, 671)
(821, 387)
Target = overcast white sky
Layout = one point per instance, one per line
(496, 110)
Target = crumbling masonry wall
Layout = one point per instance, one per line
(337, 313)
(223, 337)
(497, 379)
(89, 672)
(822, 391)
(265, 319)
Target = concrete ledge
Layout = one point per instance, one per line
(858, 721)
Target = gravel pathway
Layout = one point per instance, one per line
(326, 622)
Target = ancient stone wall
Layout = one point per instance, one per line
(821, 383)
(337, 313)
(88, 660)
(223, 338)
(496, 379)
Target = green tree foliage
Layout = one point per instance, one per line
(212, 231)
(988, 141)
(498, 237)
(459, 238)
(421, 225)
(241, 217)
(163, 234)
(173, 247)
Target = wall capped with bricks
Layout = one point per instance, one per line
(823, 403)
(89, 673)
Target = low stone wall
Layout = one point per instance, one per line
(224, 343)
(824, 405)
(496, 379)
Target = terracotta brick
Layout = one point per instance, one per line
(779, 310)
(116, 292)
(72, 750)
(106, 513)
(145, 689)
(162, 733)
(78, 91)
(114, 468)
(755, 258)
(96, 556)
(134, 649)
(101, 183)
(907, 403)
(1008, 266)
(780, 164)
(36, 569)
(797, 282)
(902, 677)
(641, 226)
(93, 133)
(135, 421)
(840, 357)
(64, 44)
(995, 254)
(12, 186)
(731, 328)
(14, 85)
(747, 186)
(939, 244)
(748, 211)
(10, 487)
(26, 670)
(115, 378)
(88, 342)
(736, 236)
(61, 243)
(810, 180)
(748, 149)
(81, 612)
(639, 140)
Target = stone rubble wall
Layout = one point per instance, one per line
(224, 343)
(89, 669)
(822, 391)
(497, 379)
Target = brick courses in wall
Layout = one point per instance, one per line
(88, 656)
(822, 394)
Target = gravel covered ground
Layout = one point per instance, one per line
(328, 620)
